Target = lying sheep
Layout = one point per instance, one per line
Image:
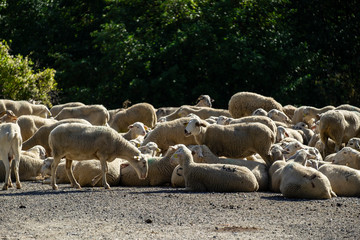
(36, 151)
(259, 112)
(41, 137)
(234, 141)
(177, 177)
(61, 175)
(354, 143)
(24, 108)
(345, 181)
(213, 177)
(275, 172)
(244, 104)
(135, 130)
(202, 112)
(202, 154)
(29, 124)
(141, 112)
(160, 171)
(349, 157)
(340, 126)
(348, 107)
(298, 181)
(72, 142)
(10, 149)
(302, 156)
(169, 133)
(57, 108)
(95, 114)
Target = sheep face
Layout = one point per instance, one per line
(277, 115)
(259, 112)
(141, 166)
(179, 155)
(138, 128)
(344, 156)
(197, 153)
(354, 143)
(46, 167)
(204, 101)
(150, 149)
(222, 120)
(300, 126)
(193, 127)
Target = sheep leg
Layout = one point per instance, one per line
(104, 169)
(54, 167)
(6, 162)
(70, 174)
(16, 169)
(96, 179)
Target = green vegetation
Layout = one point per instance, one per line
(168, 52)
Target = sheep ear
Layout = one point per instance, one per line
(124, 165)
(186, 123)
(212, 100)
(130, 126)
(146, 127)
(193, 152)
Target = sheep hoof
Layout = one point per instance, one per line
(107, 186)
(77, 186)
(5, 187)
(18, 186)
(55, 187)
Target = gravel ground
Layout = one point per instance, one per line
(37, 212)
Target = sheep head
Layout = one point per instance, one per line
(193, 127)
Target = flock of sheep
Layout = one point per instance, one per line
(255, 145)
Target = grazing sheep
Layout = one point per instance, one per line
(169, 133)
(24, 108)
(57, 108)
(340, 126)
(213, 177)
(298, 181)
(95, 114)
(29, 124)
(345, 181)
(354, 143)
(41, 136)
(202, 154)
(234, 141)
(71, 140)
(349, 157)
(279, 116)
(160, 171)
(141, 112)
(244, 104)
(177, 177)
(135, 130)
(259, 112)
(201, 112)
(283, 132)
(10, 149)
(7, 116)
(300, 116)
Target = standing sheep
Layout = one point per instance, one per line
(244, 104)
(213, 177)
(141, 112)
(348, 157)
(72, 142)
(57, 108)
(234, 141)
(24, 108)
(309, 115)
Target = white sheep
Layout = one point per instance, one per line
(72, 142)
(202, 112)
(160, 171)
(260, 112)
(245, 103)
(10, 149)
(204, 101)
(354, 143)
(289, 110)
(57, 108)
(213, 177)
(24, 108)
(29, 124)
(308, 133)
(260, 119)
(283, 132)
(275, 172)
(36, 151)
(95, 114)
(135, 130)
(349, 157)
(177, 177)
(345, 181)
(151, 149)
(308, 114)
(202, 154)
(277, 115)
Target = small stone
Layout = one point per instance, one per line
(148, 220)
(22, 206)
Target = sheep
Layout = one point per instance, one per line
(309, 115)
(57, 108)
(164, 111)
(354, 143)
(275, 172)
(95, 114)
(202, 154)
(212, 177)
(348, 107)
(223, 120)
(36, 151)
(308, 133)
(289, 110)
(234, 141)
(87, 173)
(169, 133)
(349, 157)
(244, 104)
(7, 116)
(298, 181)
(292, 147)
(345, 181)
(340, 126)
(151, 149)
(202, 112)
(301, 156)
(141, 112)
(260, 112)
(177, 177)
(277, 152)
(160, 171)
(135, 130)
(204, 101)
(29, 124)
(278, 115)
(41, 136)
(24, 108)
(283, 132)
(70, 140)
(10, 142)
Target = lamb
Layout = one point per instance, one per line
(340, 126)
(202, 154)
(169, 133)
(24, 108)
(7, 116)
(213, 177)
(10, 142)
(71, 141)
(160, 171)
(177, 177)
(202, 112)
(42, 135)
(29, 124)
(354, 143)
(57, 108)
(309, 115)
(36, 151)
(298, 181)
(234, 141)
(349, 157)
(279, 116)
(136, 129)
(345, 181)
(95, 114)
(244, 104)
(141, 112)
